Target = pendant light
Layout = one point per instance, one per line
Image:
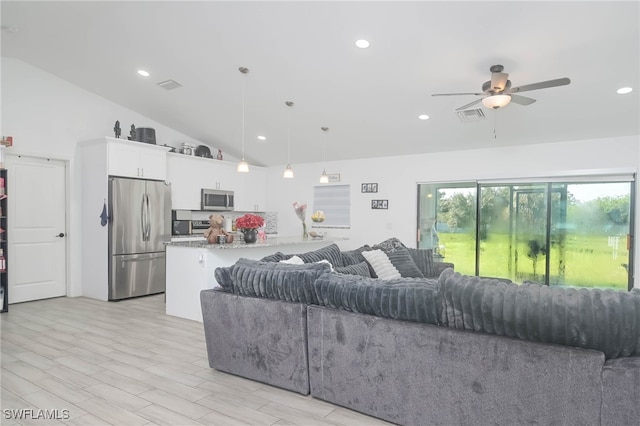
(288, 172)
(324, 178)
(243, 166)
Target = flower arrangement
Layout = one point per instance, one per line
(249, 221)
(301, 212)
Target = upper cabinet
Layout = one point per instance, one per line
(136, 159)
(189, 174)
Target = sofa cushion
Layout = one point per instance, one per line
(423, 259)
(400, 257)
(275, 257)
(409, 299)
(381, 265)
(330, 253)
(353, 257)
(293, 283)
(361, 269)
(223, 277)
(605, 320)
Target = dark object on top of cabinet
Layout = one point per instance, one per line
(146, 135)
(203, 151)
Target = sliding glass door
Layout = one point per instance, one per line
(557, 233)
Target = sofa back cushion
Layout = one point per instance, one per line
(361, 269)
(293, 283)
(605, 320)
(408, 299)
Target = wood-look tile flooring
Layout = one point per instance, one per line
(128, 363)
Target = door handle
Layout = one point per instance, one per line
(60, 235)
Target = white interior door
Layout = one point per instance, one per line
(37, 255)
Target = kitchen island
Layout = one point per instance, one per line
(192, 261)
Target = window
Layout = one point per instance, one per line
(335, 202)
(561, 232)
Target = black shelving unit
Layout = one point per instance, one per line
(4, 270)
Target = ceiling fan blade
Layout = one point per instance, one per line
(499, 81)
(540, 85)
(522, 100)
(477, 101)
(458, 94)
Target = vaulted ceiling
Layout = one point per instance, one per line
(304, 52)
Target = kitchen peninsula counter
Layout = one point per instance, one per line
(191, 263)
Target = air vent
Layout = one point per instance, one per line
(169, 84)
(471, 115)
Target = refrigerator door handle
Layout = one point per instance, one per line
(143, 219)
(146, 196)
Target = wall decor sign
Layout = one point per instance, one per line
(380, 204)
(334, 177)
(369, 187)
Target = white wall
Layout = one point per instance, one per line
(398, 177)
(48, 116)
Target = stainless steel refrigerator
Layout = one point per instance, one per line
(139, 225)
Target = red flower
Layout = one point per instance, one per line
(249, 221)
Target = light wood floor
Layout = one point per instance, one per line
(127, 363)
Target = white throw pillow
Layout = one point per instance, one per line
(294, 260)
(381, 264)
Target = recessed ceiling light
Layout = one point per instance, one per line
(624, 90)
(423, 117)
(143, 73)
(262, 138)
(362, 44)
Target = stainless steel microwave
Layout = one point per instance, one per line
(216, 199)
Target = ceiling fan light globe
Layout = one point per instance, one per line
(496, 101)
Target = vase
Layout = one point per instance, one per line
(305, 234)
(250, 235)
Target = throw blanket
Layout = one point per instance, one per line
(409, 299)
(606, 320)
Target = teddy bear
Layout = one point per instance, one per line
(215, 229)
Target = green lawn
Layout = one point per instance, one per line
(588, 261)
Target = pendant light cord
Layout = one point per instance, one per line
(243, 90)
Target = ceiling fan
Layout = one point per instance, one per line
(498, 92)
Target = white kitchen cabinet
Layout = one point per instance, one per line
(136, 159)
(251, 190)
(189, 174)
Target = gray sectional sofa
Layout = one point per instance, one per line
(422, 351)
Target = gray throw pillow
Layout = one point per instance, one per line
(275, 257)
(361, 269)
(353, 257)
(330, 253)
(423, 259)
(400, 257)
